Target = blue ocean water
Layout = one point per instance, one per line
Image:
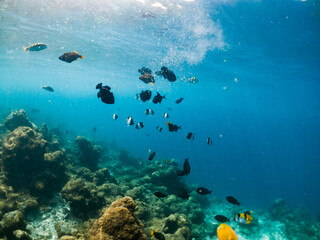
(258, 65)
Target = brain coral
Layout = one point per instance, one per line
(118, 222)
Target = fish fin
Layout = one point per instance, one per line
(210, 192)
(99, 94)
(41, 87)
(75, 52)
(99, 85)
(164, 96)
(81, 57)
(25, 49)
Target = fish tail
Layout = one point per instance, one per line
(152, 83)
(210, 192)
(81, 57)
(164, 96)
(25, 49)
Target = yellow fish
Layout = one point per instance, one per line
(225, 232)
(243, 217)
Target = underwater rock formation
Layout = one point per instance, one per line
(118, 222)
(84, 198)
(89, 155)
(18, 119)
(22, 154)
(28, 165)
(279, 209)
(12, 221)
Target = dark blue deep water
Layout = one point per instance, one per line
(258, 65)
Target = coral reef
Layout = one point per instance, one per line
(18, 119)
(84, 198)
(28, 164)
(89, 155)
(118, 222)
(45, 194)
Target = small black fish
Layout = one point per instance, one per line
(158, 98)
(105, 94)
(221, 218)
(203, 191)
(173, 127)
(139, 125)
(186, 167)
(170, 109)
(149, 112)
(145, 95)
(160, 195)
(209, 141)
(70, 57)
(94, 129)
(147, 78)
(151, 156)
(180, 173)
(144, 70)
(179, 100)
(190, 136)
(47, 88)
(167, 74)
(183, 193)
(159, 128)
(115, 116)
(130, 121)
(165, 115)
(232, 200)
(158, 235)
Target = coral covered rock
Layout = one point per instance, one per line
(118, 222)
(84, 198)
(89, 155)
(12, 221)
(22, 155)
(279, 209)
(28, 165)
(17, 119)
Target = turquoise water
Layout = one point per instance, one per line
(258, 92)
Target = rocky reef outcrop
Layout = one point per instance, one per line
(28, 165)
(83, 196)
(118, 222)
(18, 119)
(89, 154)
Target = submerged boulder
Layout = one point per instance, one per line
(84, 198)
(89, 154)
(22, 155)
(27, 163)
(17, 119)
(118, 222)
